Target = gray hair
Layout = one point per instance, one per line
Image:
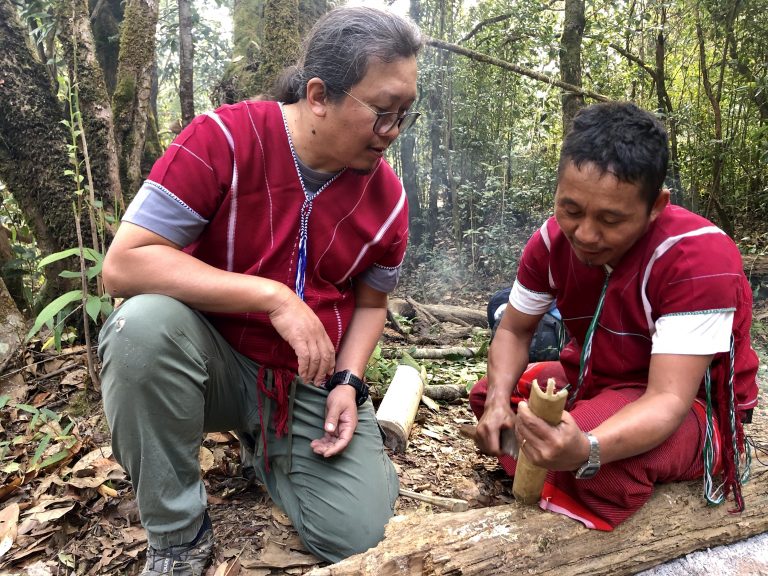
(340, 46)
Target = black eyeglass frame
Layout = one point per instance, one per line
(402, 121)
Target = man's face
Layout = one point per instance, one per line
(386, 87)
(601, 216)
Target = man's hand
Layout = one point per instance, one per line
(340, 422)
(301, 328)
(561, 447)
(495, 419)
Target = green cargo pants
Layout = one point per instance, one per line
(168, 377)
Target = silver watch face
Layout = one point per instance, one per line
(588, 470)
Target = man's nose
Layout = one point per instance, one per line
(587, 232)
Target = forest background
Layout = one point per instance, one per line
(91, 92)
(89, 97)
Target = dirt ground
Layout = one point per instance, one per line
(77, 515)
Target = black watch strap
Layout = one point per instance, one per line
(346, 377)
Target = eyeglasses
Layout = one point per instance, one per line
(385, 121)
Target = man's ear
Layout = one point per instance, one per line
(661, 202)
(317, 97)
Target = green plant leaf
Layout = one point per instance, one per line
(39, 451)
(93, 307)
(88, 254)
(54, 458)
(49, 312)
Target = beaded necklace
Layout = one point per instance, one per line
(306, 210)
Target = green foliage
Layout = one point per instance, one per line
(20, 271)
(46, 441)
(93, 305)
(57, 312)
(213, 50)
(488, 141)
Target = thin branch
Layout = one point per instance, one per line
(516, 69)
(484, 23)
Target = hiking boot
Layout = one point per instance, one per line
(184, 560)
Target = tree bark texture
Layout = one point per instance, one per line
(33, 142)
(95, 107)
(570, 58)
(186, 60)
(106, 16)
(281, 40)
(441, 312)
(131, 100)
(518, 539)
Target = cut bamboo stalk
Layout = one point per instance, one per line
(398, 408)
(529, 478)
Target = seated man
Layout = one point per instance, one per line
(659, 366)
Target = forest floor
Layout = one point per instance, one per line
(68, 509)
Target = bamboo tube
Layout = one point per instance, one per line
(529, 478)
(398, 408)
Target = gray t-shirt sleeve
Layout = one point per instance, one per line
(160, 211)
(380, 278)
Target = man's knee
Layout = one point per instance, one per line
(357, 532)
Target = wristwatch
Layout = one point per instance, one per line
(592, 465)
(346, 377)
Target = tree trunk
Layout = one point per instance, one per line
(267, 38)
(95, 108)
(570, 58)
(131, 100)
(665, 103)
(33, 143)
(713, 92)
(518, 539)
(281, 41)
(410, 174)
(106, 16)
(186, 60)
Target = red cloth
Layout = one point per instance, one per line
(622, 487)
(239, 174)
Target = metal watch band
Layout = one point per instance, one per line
(592, 465)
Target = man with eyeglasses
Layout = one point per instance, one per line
(257, 259)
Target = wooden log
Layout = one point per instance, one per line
(440, 312)
(529, 478)
(450, 504)
(398, 408)
(518, 539)
(432, 353)
(445, 392)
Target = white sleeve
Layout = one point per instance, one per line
(696, 334)
(529, 302)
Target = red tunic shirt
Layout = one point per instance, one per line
(235, 169)
(682, 265)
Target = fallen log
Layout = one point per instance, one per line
(445, 392)
(432, 353)
(518, 539)
(440, 312)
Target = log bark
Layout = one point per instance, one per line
(397, 410)
(12, 327)
(445, 392)
(433, 353)
(441, 312)
(523, 540)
